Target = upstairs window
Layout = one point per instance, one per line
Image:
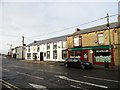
(64, 44)
(100, 39)
(77, 41)
(48, 46)
(54, 45)
(28, 49)
(38, 48)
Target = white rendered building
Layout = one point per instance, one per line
(53, 49)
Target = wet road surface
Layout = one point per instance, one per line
(54, 76)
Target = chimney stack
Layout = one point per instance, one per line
(77, 29)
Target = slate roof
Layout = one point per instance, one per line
(97, 28)
(88, 30)
(54, 39)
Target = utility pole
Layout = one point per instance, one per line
(108, 27)
(22, 47)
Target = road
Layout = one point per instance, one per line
(19, 75)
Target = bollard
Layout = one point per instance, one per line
(106, 64)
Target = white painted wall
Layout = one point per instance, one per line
(43, 48)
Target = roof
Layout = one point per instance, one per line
(88, 30)
(96, 28)
(54, 39)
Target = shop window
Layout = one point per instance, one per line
(100, 39)
(48, 54)
(102, 55)
(72, 54)
(77, 54)
(55, 54)
(64, 54)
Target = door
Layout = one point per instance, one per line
(41, 56)
(85, 55)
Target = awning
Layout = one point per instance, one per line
(91, 48)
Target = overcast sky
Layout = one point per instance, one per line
(34, 19)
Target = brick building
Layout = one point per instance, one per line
(97, 44)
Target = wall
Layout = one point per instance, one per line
(43, 48)
(70, 42)
(91, 39)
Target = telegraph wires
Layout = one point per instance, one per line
(74, 26)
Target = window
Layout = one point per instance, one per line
(48, 46)
(38, 49)
(102, 55)
(77, 41)
(64, 44)
(44, 54)
(28, 55)
(54, 45)
(28, 49)
(100, 39)
(34, 54)
(48, 54)
(55, 54)
(64, 54)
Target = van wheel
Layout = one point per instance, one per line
(66, 65)
(82, 66)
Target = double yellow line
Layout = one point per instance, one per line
(8, 85)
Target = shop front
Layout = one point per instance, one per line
(82, 54)
(99, 54)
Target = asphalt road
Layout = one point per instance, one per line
(17, 74)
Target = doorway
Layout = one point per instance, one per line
(85, 55)
(41, 56)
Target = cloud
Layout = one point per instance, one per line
(36, 18)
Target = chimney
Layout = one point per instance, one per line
(35, 41)
(77, 29)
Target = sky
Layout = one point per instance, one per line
(42, 19)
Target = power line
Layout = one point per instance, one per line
(74, 26)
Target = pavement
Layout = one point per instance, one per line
(61, 63)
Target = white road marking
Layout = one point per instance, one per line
(87, 83)
(44, 70)
(6, 70)
(38, 86)
(30, 75)
(51, 65)
(8, 85)
(78, 87)
(20, 67)
(52, 72)
(101, 79)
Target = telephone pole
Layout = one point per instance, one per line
(22, 47)
(109, 35)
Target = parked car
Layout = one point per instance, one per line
(76, 62)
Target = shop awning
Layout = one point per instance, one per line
(91, 48)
